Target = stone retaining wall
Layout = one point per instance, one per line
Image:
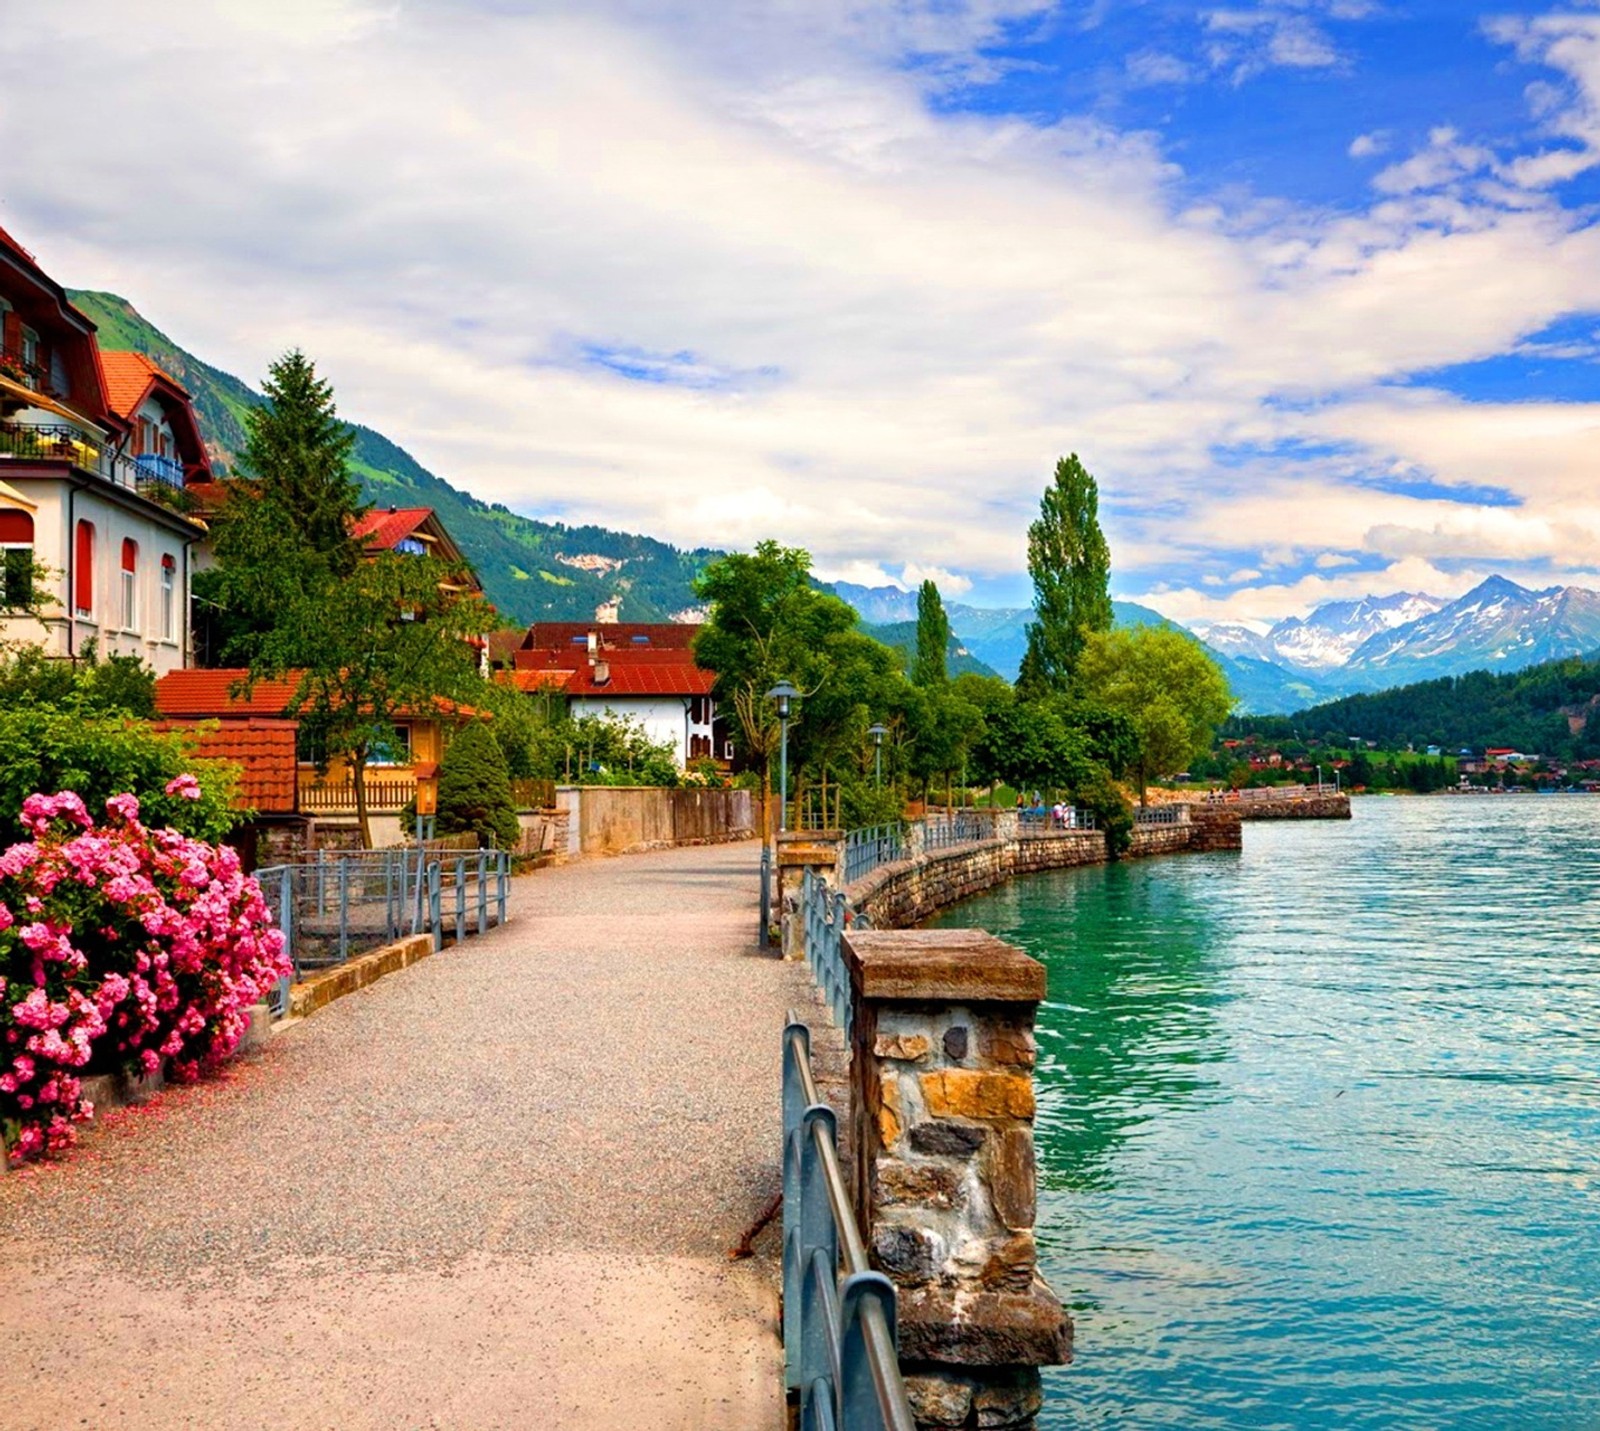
(1307, 807)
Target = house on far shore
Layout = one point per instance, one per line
(95, 452)
(194, 697)
(639, 671)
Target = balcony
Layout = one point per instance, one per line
(61, 442)
(24, 372)
(153, 467)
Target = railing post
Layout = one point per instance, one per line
(344, 910)
(766, 894)
(796, 1046)
(502, 881)
(857, 1390)
(434, 921)
(818, 1235)
(483, 892)
(461, 898)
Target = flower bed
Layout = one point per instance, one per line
(122, 949)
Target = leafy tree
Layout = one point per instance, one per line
(766, 624)
(933, 638)
(1071, 569)
(122, 685)
(390, 639)
(1165, 685)
(474, 793)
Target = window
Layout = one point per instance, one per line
(392, 747)
(130, 584)
(16, 560)
(169, 604)
(700, 710)
(83, 571)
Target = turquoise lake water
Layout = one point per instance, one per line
(1319, 1124)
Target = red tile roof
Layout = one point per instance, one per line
(383, 528)
(197, 694)
(542, 680)
(654, 678)
(128, 378)
(265, 749)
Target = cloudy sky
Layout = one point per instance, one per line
(1313, 286)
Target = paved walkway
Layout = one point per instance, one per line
(493, 1190)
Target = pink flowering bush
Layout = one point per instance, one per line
(121, 948)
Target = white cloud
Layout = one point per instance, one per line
(724, 272)
(949, 583)
(1364, 146)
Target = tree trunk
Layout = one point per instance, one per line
(358, 770)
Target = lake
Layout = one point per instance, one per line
(1319, 1124)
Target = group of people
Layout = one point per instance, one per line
(1059, 815)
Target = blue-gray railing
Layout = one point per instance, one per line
(865, 850)
(343, 903)
(839, 1351)
(954, 827)
(1174, 814)
(822, 918)
(1032, 823)
(154, 467)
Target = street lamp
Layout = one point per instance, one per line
(783, 693)
(877, 732)
(1319, 780)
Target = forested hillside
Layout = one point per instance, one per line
(1534, 710)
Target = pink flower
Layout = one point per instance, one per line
(185, 785)
(126, 807)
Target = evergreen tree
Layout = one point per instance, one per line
(1071, 569)
(933, 638)
(474, 791)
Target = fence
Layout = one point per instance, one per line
(1031, 824)
(1176, 813)
(954, 827)
(383, 796)
(839, 1348)
(865, 850)
(532, 794)
(822, 913)
(341, 904)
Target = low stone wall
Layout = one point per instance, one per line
(311, 993)
(901, 895)
(1306, 807)
(620, 819)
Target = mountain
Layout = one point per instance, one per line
(1498, 625)
(531, 570)
(1323, 641)
(901, 636)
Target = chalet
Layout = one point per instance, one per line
(94, 448)
(639, 671)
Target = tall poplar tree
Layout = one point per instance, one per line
(933, 638)
(1071, 569)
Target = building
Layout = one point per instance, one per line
(94, 450)
(644, 672)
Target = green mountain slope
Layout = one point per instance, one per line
(526, 565)
(901, 637)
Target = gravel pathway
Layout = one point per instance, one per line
(492, 1190)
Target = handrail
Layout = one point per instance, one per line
(822, 915)
(865, 850)
(838, 1314)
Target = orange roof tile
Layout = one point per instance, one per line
(196, 694)
(265, 749)
(128, 379)
(680, 678)
(543, 680)
(383, 528)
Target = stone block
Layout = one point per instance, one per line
(942, 966)
(939, 1399)
(936, 1185)
(957, 1326)
(1010, 1263)
(889, 1109)
(907, 1047)
(908, 1254)
(1012, 1045)
(1010, 1172)
(955, 1043)
(971, 1093)
(1012, 1400)
(952, 1140)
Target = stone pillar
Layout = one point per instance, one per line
(942, 1102)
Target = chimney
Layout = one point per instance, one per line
(602, 673)
(594, 646)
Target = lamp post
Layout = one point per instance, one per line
(783, 693)
(1319, 780)
(877, 732)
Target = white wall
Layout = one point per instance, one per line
(664, 718)
(64, 632)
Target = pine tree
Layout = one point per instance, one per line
(474, 791)
(933, 638)
(1071, 569)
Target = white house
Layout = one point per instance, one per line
(94, 448)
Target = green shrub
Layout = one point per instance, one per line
(98, 756)
(474, 790)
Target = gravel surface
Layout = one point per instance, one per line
(500, 1180)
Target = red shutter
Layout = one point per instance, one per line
(16, 529)
(169, 563)
(130, 554)
(83, 572)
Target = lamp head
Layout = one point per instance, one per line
(782, 693)
(877, 732)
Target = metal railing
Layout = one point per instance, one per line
(955, 827)
(1032, 824)
(1176, 813)
(839, 1349)
(822, 918)
(340, 904)
(157, 467)
(865, 850)
(63, 443)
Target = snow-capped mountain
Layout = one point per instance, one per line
(1497, 626)
(1323, 641)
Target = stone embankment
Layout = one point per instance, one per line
(900, 895)
(1302, 807)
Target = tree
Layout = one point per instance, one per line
(1071, 569)
(1165, 685)
(286, 527)
(933, 638)
(391, 639)
(474, 793)
(767, 624)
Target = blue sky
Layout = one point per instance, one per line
(1312, 286)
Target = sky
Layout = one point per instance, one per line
(1311, 286)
